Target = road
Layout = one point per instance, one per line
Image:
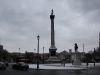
(10, 71)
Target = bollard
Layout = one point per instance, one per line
(87, 64)
(72, 62)
(64, 62)
(94, 63)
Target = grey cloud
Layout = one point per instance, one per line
(75, 21)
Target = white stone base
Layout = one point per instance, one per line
(77, 62)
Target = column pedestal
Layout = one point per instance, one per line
(52, 51)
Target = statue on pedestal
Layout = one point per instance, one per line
(52, 12)
(76, 60)
(76, 47)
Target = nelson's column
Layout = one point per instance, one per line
(52, 49)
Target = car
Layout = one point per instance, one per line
(20, 65)
(6, 63)
(2, 65)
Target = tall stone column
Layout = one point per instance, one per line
(99, 41)
(52, 49)
(52, 29)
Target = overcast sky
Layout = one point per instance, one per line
(76, 21)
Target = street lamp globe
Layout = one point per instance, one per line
(43, 47)
(38, 37)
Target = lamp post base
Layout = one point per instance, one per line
(37, 64)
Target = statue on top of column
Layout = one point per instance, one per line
(52, 12)
(76, 47)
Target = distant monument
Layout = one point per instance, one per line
(52, 49)
(1, 47)
(76, 47)
(76, 59)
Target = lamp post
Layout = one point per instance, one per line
(19, 54)
(83, 54)
(43, 55)
(38, 37)
(83, 47)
